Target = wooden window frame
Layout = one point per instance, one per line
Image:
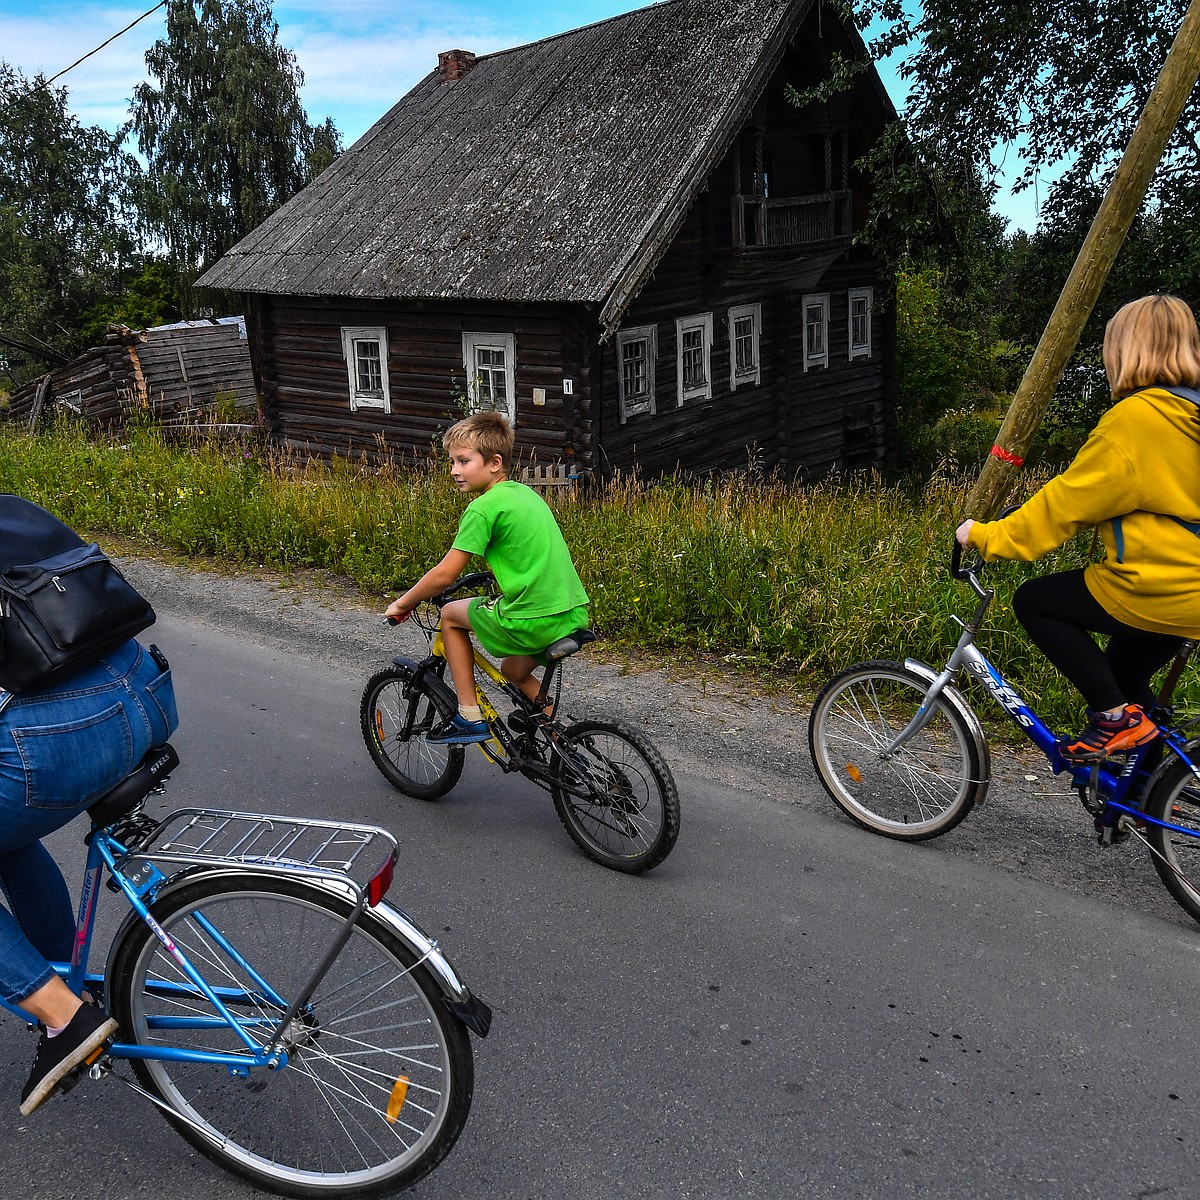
(752, 377)
(821, 358)
(859, 349)
(377, 400)
(506, 343)
(626, 407)
(684, 325)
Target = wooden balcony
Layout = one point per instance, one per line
(789, 222)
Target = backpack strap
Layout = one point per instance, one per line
(1185, 393)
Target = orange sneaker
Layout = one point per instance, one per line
(1106, 736)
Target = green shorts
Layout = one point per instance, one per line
(501, 636)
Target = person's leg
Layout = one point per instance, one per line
(1135, 657)
(519, 669)
(1060, 614)
(38, 898)
(460, 655)
(456, 636)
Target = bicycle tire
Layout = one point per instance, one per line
(1176, 857)
(614, 794)
(410, 764)
(319, 1126)
(923, 790)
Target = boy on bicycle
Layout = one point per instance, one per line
(541, 598)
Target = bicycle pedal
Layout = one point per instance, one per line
(101, 1067)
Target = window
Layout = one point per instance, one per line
(860, 322)
(745, 329)
(636, 352)
(816, 331)
(490, 362)
(693, 339)
(365, 350)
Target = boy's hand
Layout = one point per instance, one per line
(397, 612)
(963, 533)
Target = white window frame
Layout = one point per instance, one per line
(380, 399)
(506, 343)
(859, 349)
(683, 325)
(753, 376)
(820, 356)
(631, 408)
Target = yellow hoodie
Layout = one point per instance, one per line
(1138, 478)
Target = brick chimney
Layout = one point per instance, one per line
(454, 64)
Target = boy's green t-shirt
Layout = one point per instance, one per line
(512, 527)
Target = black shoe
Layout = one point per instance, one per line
(60, 1058)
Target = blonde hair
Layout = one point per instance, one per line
(1151, 341)
(487, 432)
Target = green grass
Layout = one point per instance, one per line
(795, 582)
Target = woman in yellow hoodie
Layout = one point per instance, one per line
(1137, 478)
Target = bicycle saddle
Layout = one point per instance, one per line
(134, 788)
(568, 645)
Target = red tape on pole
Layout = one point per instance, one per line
(1003, 455)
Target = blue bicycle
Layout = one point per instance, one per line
(901, 752)
(286, 1021)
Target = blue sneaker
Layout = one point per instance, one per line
(458, 732)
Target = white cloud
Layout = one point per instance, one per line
(358, 57)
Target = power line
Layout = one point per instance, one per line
(148, 12)
(5, 109)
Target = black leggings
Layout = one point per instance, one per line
(1060, 614)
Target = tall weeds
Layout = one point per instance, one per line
(796, 582)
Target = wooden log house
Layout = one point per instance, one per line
(175, 373)
(625, 236)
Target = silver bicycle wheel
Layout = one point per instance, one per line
(379, 1074)
(922, 789)
(1176, 855)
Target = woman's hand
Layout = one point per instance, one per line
(963, 533)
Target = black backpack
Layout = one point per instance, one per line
(63, 603)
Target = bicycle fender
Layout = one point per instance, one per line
(440, 692)
(958, 702)
(469, 1009)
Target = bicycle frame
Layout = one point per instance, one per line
(1113, 789)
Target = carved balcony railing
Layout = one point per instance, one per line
(792, 221)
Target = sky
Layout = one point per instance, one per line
(358, 56)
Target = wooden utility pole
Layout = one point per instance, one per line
(1096, 256)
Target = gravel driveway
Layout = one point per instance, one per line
(705, 717)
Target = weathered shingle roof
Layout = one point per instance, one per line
(556, 171)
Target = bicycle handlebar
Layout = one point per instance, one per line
(473, 579)
(957, 570)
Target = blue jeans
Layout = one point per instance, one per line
(60, 750)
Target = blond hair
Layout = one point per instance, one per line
(1151, 341)
(490, 433)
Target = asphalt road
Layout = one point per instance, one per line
(788, 1006)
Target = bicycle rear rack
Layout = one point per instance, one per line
(215, 837)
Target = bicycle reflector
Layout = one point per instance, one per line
(397, 1098)
(854, 772)
(380, 882)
